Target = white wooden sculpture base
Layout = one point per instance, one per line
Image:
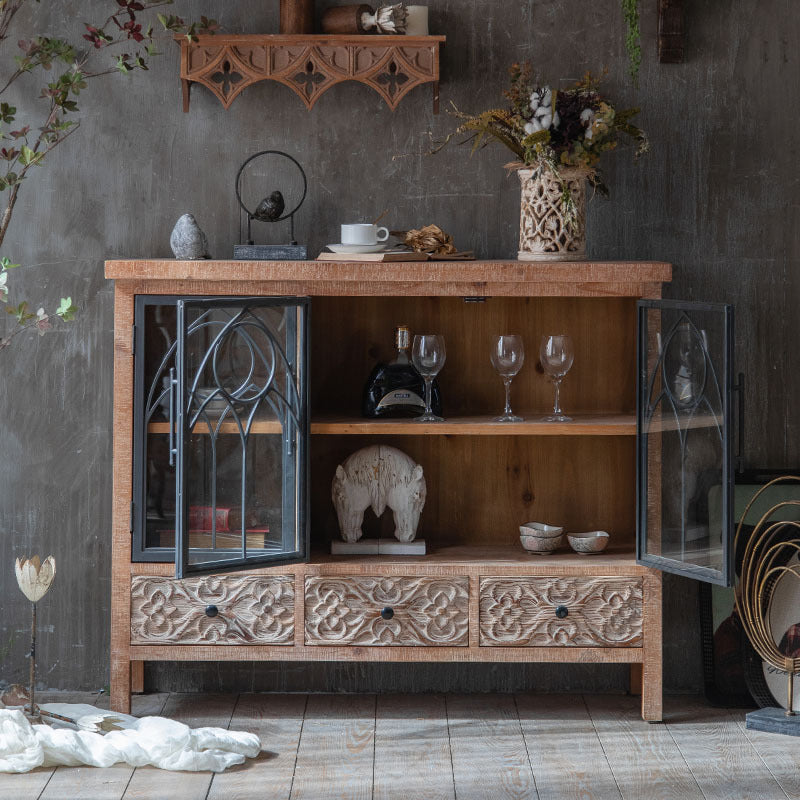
(383, 547)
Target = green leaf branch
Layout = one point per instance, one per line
(124, 43)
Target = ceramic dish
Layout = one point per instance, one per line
(539, 529)
(355, 249)
(540, 545)
(589, 542)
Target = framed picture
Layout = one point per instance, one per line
(734, 674)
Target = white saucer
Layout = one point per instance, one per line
(358, 248)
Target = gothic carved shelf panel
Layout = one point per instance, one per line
(310, 65)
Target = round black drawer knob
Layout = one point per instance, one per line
(387, 612)
(562, 611)
(212, 611)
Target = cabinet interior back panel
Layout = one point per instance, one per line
(351, 334)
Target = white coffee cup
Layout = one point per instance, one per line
(363, 233)
(417, 21)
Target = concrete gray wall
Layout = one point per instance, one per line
(716, 196)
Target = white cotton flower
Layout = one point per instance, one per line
(587, 115)
(534, 126)
(556, 120)
(547, 97)
(535, 99)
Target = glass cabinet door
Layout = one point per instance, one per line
(684, 439)
(241, 433)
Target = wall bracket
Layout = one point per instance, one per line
(309, 65)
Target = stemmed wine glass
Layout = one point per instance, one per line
(428, 354)
(556, 354)
(508, 356)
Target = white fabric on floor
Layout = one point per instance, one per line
(153, 741)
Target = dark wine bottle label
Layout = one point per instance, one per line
(401, 397)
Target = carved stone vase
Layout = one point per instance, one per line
(546, 231)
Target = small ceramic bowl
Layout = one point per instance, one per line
(589, 542)
(540, 545)
(540, 530)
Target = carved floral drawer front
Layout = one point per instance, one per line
(387, 611)
(213, 610)
(561, 612)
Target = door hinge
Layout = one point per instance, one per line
(133, 511)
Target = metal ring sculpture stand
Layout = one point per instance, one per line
(764, 562)
(250, 215)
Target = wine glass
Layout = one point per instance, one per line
(428, 354)
(556, 354)
(508, 356)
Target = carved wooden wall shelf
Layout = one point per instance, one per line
(310, 65)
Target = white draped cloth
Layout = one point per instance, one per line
(149, 741)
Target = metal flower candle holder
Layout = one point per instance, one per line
(34, 579)
(767, 559)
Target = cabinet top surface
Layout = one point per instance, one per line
(407, 277)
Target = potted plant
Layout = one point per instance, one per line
(557, 137)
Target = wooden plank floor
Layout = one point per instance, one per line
(449, 747)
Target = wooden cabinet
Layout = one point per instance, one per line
(264, 477)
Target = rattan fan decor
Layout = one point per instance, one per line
(767, 558)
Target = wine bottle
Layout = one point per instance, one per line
(397, 389)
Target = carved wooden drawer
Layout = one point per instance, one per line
(224, 609)
(561, 612)
(399, 611)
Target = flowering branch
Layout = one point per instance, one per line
(128, 37)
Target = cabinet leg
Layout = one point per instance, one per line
(636, 679)
(121, 685)
(652, 665)
(137, 677)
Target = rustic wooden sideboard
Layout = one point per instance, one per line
(477, 595)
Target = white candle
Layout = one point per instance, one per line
(417, 21)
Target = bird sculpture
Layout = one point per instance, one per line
(271, 208)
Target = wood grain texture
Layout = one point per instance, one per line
(565, 752)
(412, 748)
(780, 754)
(196, 711)
(335, 758)
(374, 276)
(582, 425)
(428, 612)
(521, 612)
(251, 609)
(277, 720)
(309, 64)
(644, 758)
(723, 763)
(653, 661)
(122, 484)
(490, 758)
(527, 478)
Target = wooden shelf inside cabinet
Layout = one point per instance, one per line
(310, 64)
(582, 425)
